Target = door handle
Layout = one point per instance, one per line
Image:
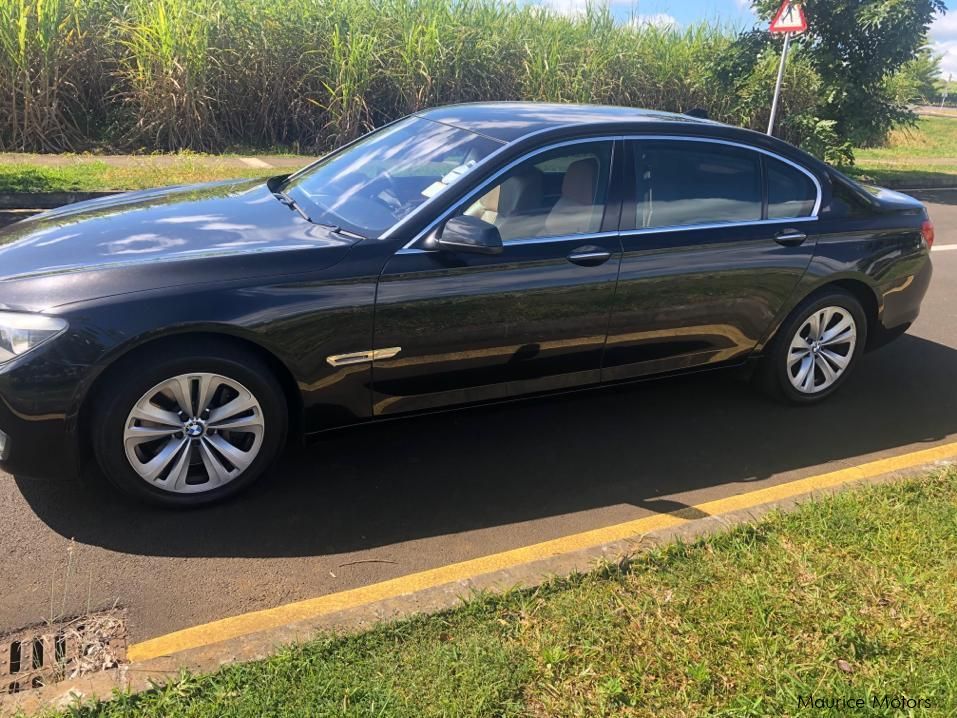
(589, 256)
(790, 238)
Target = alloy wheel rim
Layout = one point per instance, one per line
(821, 349)
(193, 433)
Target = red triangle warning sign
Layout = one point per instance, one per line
(789, 18)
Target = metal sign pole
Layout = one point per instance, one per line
(777, 85)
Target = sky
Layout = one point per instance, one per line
(737, 13)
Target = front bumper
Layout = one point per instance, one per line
(37, 415)
(37, 448)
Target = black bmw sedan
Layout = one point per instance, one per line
(464, 254)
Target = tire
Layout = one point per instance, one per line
(217, 452)
(784, 373)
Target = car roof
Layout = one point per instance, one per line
(519, 123)
(510, 121)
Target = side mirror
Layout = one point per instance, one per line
(470, 234)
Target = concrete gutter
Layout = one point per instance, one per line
(15, 206)
(46, 200)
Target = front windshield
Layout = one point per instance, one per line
(379, 180)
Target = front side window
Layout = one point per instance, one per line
(555, 193)
(686, 183)
(379, 180)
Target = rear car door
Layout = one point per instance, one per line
(715, 236)
(457, 327)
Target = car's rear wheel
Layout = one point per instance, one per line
(816, 348)
(185, 430)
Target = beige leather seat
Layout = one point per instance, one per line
(576, 212)
(510, 205)
(486, 207)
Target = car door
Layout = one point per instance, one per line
(453, 327)
(715, 236)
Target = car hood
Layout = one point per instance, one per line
(227, 230)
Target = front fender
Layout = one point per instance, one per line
(297, 322)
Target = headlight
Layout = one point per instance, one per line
(20, 333)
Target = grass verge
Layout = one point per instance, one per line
(88, 174)
(922, 156)
(852, 596)
(905, 176)
(925, 156)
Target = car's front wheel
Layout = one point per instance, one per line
(188, 428)
(816, 348)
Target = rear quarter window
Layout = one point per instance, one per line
(844, 202)
(791, 193)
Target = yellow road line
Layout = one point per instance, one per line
(255, 621)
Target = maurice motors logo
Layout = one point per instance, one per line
(885, 702)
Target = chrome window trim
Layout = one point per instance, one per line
(637, 137)
(582, 237)
(713, 225)
(477, 191)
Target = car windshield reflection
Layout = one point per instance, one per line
(378, 181)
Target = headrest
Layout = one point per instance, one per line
(579, 182)
(489, 200)
(520, 192)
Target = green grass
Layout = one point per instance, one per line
(933, 138)
(920, 156)
(850, 596)
(91, 175)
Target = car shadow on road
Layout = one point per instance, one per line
(496, 466)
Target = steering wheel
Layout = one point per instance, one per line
(389, 187)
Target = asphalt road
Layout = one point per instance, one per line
(370, 504)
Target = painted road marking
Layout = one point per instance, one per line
(256, 621)
(943, 247)
(254, 162)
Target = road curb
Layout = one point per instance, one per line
(145, 674)
(47, 200)
(15, 206)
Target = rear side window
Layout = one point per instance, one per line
(791, 193)
(685, 183)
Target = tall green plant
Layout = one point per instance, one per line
(271, 71)
(41, 53)
(917, 79)
(310, 74)
(352, 64)
(167, 66)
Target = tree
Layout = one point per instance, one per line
(855, 45)
(918, 80)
